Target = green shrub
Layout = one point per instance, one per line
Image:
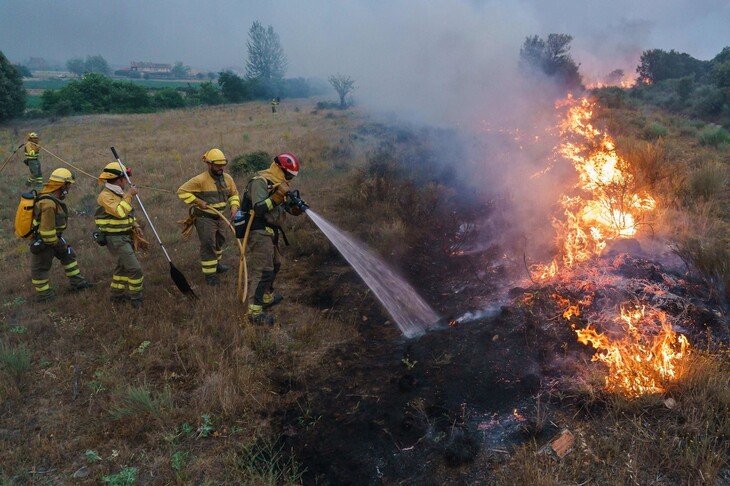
(714, 136)
(251, 162)
(654, 131)
(126, 476)
(15, 360)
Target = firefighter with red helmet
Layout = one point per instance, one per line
(211, 189)
(267, 195)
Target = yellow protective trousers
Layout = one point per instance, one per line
(127, 278)
(40, 267)
(211, 233)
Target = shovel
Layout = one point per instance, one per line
(175, 274)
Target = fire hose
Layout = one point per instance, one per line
(11, 156)
(242, 268)
(293, 200)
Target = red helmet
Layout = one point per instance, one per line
(288, 163)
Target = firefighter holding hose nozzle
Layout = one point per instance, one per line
(268, 199)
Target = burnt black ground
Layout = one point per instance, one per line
(386, 410)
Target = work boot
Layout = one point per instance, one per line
(119, 299)
(271, 300)
(221, 268)
(256, 315)
(261, 319)
(49, 296)
(82, 286)
(137, 303)
(212, 280)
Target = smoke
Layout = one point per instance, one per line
(443, 62)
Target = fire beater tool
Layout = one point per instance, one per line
(176, 275)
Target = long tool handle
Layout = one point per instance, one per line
(141, 206)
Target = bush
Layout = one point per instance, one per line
(168, 98)
(251, 162)
(654, 131)
(708, 181)
(714, 136)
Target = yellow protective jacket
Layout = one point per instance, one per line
(115, 214)
(50, 216)
(217, 193)
(31, 150)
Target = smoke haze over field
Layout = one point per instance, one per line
(436, 61)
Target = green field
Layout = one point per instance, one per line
(147, 83)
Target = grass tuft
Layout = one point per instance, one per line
(15, 360)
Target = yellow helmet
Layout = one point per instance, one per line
(112, 171)
(215, 156)
(32, 135)
(62, 175)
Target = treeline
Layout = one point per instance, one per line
(97, 93)
(681, 84)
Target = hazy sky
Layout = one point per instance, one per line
(394, 49)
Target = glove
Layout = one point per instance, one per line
(279, 196)
(138, 241)
(295, 211)
(187, 224)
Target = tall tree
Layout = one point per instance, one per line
(12, 93)
(344, 85)
(266, 59)
(551, 57)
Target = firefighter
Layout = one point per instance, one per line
(32, 150)
(50, 217)
(120, 233)
(211, 189)
(266, 194)
(274, 104)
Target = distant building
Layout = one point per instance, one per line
(146, 70)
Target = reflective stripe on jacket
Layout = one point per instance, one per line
(50, 216)
(115, 213)
(31, 150)
(217, 193)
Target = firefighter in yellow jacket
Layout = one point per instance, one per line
(119, 230)
(32, 151)
(50, 217)
(211, 189)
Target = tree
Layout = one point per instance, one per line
(657, 65)
(234, 88)
(76, 66)
(266, 59)
(96, 64)
(551, 57)
(12, 93)
(344, 85)
(180, 71)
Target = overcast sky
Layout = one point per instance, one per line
(400, 53)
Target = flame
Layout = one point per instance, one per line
(648, 355)
(606, 206)
(644, 353)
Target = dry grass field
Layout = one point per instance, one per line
(189, 392)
